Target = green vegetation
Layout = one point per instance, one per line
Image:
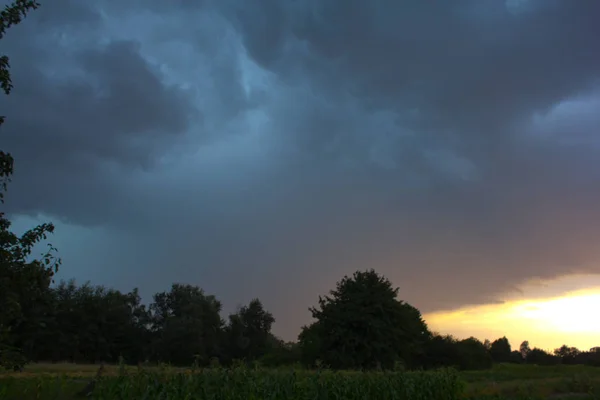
(243, 384)
(503, 382)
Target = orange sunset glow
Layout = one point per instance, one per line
(555, 313)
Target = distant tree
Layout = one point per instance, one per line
(541, 357)
(248, 333)
(22, 281)
(487, 344)
(117, 327)
(88, 324)
(441, 351)
(62, 338)
(591, 357)
(567, 355)
(362, 324)
(38, 329)
(133, 342)
(473, 355)
(281, 353)
(310, 344)
(500, 350)
(186, 324)
(515, 357)
(524, 349)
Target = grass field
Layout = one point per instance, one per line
(518, 382)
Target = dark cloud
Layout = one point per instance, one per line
(118, 111)
(81, 116)
(450, 145)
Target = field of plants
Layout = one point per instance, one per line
(502, 382)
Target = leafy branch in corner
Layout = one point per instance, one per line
(23, 283)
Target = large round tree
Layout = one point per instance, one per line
(362, 324)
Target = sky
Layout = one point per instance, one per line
(268, 148)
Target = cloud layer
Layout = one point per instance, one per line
(269, 149)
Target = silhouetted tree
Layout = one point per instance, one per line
(524, 349)
(515, 357)
(591, 357)
(500, 350)
(441, 351)
(473, 355)
(362, 324)
(89, 324)
(567, 355)
(487, 344)
(186, 325)
(281, 353)
(248, 335)
(310, 344)
(541, 357)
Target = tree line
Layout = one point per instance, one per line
(361, 324)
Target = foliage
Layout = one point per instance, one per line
(515, 357)
(363, 325)
(186, 325)
(500, 350)
(23, 282)
(12, 14)
(281, 353)
(248, 335)
(591, 357)
(243, 384)
(524, 349)
(441, 351)
(503, 382)
(473, 355)
(310, 344)
(541, 357)
(90, 324)
(567, 354)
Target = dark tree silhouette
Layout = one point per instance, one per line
(441, 351)
(567, 354)
(248, 335)
(524, 349)
(473, 355)
(91, 324)
(500, 350)
(186, 325)
(362, 324)
(541, 357)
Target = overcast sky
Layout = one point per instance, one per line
(266, 148)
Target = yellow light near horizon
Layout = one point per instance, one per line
(547, 323)
(572, 313)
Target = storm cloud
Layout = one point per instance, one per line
(267, 148)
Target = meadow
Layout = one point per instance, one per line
(518, 382)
